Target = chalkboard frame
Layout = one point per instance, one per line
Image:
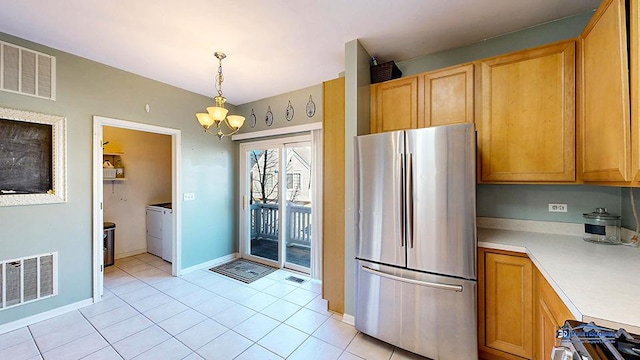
(58, 193)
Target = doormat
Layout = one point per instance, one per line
(243, 270)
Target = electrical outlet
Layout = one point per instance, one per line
(189, 196)
(558, 208)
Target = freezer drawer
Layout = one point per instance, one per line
(430, 315)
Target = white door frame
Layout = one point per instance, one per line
(98, 184)
(244, 188)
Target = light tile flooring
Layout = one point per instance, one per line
(147, 314)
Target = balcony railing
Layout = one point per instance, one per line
(264, 223)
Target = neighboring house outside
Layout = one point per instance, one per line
(264, 176)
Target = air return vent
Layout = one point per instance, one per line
(28, 279)
(27, 72)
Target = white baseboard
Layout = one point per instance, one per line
(349, 319)
(210, 263)
(4, 328)
(130, 253)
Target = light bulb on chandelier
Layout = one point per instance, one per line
(217, 114)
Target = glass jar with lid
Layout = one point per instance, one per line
(601, 227)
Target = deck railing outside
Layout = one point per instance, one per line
(264, 223)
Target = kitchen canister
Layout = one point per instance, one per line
(601, 227)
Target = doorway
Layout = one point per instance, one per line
(99, 186)
(277, 203)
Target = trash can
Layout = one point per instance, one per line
(108, 241)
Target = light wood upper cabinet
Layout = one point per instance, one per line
(635, 88)
(506, 304)
(549, 313)
(433, 98)
(604, 125)
(333, 194)
(448, 96)
(527, 115)
(394, 105)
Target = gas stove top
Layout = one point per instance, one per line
(587, 341)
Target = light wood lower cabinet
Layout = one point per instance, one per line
(549, 313)
(518, 311)
(506, 305)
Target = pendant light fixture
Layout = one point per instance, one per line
(217, 114)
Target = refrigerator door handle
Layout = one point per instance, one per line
(456, 288)
(402, 201)
(409, 199)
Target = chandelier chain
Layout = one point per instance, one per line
(219, 79)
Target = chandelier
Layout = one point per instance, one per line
(217, 115)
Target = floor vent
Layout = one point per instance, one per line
(28, 279)
(27, 72)
(295, 279)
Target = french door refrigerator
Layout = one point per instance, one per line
(416, 240)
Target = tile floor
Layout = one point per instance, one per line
(147, 314)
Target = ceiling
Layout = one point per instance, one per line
(273, 46)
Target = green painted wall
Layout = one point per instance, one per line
(357, 97)
(86, 88)
(278, 104)
(628, 220)
(534, 36)
(531, 202)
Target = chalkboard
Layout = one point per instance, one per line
(25, 157)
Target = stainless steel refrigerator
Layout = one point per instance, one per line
(416, 240)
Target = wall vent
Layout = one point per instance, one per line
(28, 279)
(27, 72)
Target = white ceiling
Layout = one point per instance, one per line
(273, 46)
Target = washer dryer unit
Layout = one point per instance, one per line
(160, 230)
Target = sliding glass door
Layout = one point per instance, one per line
(276, 202)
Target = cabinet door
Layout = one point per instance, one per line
(635, 88)
(527, 124)
(394, 105)
(508, 304)
(333, 194)
(549, 313)
(448, 96)
(603, 127)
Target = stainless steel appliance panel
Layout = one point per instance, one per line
(430, 315)
(379, 198)
(440, 181)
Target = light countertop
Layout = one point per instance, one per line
(599, 283)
